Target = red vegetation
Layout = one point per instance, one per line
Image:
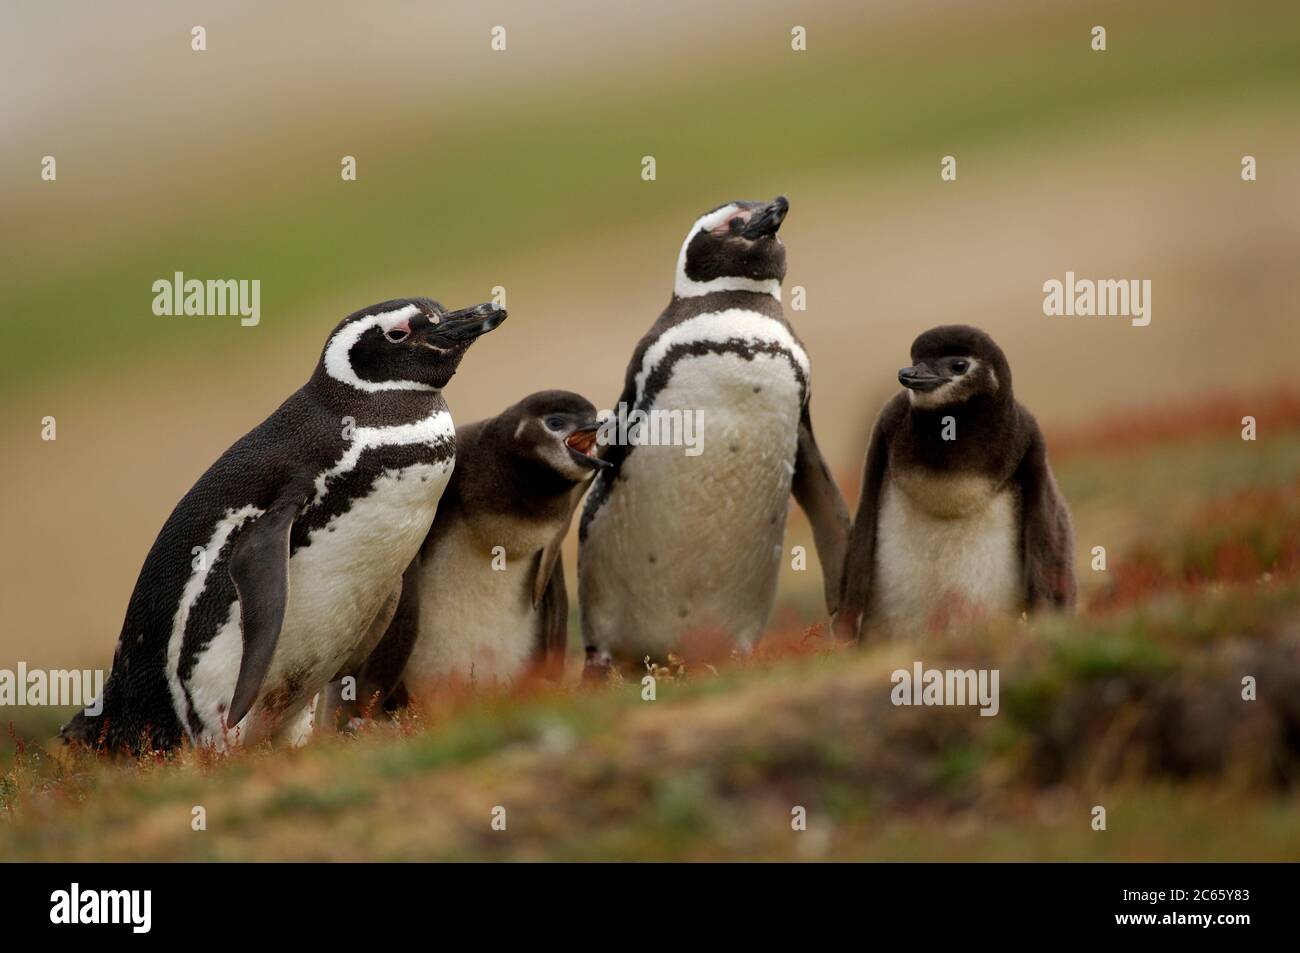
(1215, 416)
(1233, 541)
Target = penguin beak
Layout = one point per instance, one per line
(461, 327)
(581, 442)
(765, 222)
(920, 378)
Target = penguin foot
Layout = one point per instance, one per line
(599, 668)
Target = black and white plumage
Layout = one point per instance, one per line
(484, 601)
(947, 529)
(266, 579)
(672, 544)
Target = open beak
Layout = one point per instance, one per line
(582, 445)
(920, 378)
(462, 327)
(765, 221)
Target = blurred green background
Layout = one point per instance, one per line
(522, 169)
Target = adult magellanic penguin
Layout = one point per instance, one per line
(960, 515)
(675, 543)
(484, 602)
(265, 581)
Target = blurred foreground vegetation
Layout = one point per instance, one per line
(1135, 704)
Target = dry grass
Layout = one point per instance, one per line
(1133, 707)
(1135, 704)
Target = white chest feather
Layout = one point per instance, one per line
(947, 549)
(337, 584)
(477, 622)
(694, 543)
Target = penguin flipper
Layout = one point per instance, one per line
(821, 500)
(553, 639)
(259, 567)
(550, 558)
(860, 560)
(1047, 535)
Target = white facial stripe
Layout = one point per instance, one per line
(684, 287)
(951, 392)
(713, 219)
(194, 587)
(718, 327)
(390, 319)
(936, 398)
(428, 430)
(338, 363)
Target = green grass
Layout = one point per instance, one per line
(1137, 707)
(542, 162)
(1089, 705)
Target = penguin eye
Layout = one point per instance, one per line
(555, 423)
(398, 334)
(960, 367)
